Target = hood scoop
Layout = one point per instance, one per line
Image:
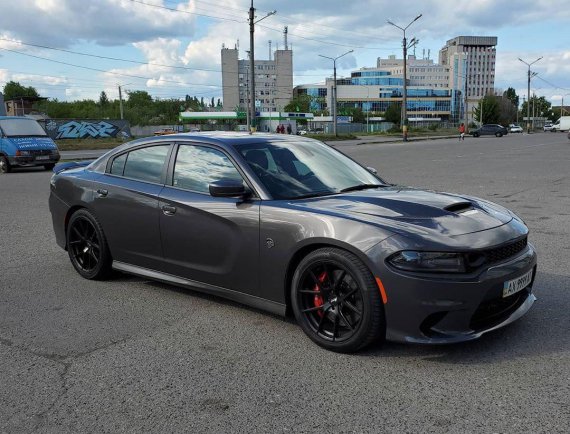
(459, 207)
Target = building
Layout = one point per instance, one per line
(375, 89)
(273, 81)
(471, 64)
(22, 106)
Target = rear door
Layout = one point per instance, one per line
(208, 239)
(126, 204)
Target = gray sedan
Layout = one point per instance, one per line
(291, 225)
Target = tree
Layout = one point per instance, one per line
(138, 98)
(212, 103)
(13, 90)
(489, 107)
(301, 103)
(103, 100)
(219, 104)
(539, 107)
(394, 113)
(511, 94)
(357, 114)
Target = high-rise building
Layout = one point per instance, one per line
(273, 81)
(471, 63)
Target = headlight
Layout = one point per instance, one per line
(429, 261)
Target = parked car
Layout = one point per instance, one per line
(547, 127)
(490, 130)
(164, 131)
(289, 224)
(562, 124)
(194, 130)
(515, 128)
(24, 143)
(302, 132)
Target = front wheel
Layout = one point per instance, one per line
(336, 301)
(475, 134)
(4, 165)
(499, 134)
(87, 246)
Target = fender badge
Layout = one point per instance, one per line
(270, 243)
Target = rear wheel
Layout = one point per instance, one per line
(475, 134)
(499, 134)
(336, 301)
(87, 246)
(49, 166)
(4, 165)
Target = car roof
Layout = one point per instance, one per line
(223, 138)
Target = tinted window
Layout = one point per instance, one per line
(146, 164)
(198, 166)
(119, 165)
(304, 168)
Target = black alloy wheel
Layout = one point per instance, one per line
(336, 301)
(87, 246)
(4, 165)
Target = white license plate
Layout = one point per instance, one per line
(42, 157)
(511, 287)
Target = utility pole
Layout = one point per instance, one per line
(252, 62)
(405, 47)
(334, 108)
(120, 101)
(528, 93)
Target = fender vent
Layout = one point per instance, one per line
(459, 207)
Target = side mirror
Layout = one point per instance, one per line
(227, 188)
(372, 170)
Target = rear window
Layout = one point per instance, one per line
(21, 128)
(144, 164)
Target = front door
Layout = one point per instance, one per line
(208, 239)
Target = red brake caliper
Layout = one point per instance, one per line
(318, 300)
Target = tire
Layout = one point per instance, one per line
(342, 314)
(499, 134)
(87, 246)
(475, 134)
(4, 165)
(49, 166)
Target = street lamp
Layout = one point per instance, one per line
(252, 23)
(528, 94)
(405, 47)
(334, 59)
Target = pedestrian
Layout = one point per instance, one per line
(462, 131)
(289, 129)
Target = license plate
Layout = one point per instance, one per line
(511, 287)
(42, 157)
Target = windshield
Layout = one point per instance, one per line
(21, 128)
(298, 169)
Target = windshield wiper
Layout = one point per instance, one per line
(361, 187)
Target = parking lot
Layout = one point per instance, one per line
(134, 355)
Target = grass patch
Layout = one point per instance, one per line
(83, 144)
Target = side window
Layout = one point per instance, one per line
(198, 166)
(118, 165)
(146, 164)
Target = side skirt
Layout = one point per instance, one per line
(240, 297)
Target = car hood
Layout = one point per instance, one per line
(411, 209)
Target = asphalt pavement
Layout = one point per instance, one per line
(137, 356)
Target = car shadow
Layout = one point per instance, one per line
(544, 330)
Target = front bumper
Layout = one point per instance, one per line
(447, 309)
(32, 160)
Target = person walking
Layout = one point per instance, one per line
(462, 131)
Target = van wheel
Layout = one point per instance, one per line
(4, 165)
(49, 166)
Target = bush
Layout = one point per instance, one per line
(433, 127)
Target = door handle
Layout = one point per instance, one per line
(102, 193)
(168, 210)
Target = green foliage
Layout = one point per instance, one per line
(394, 113)
(13, 89)
(301, 103)
(511, 94)
(488, 107)
(357, 115)
(539, 107)
(432, 127)
(103, 100)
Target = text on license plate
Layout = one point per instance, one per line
(42, 157)
(511, 287)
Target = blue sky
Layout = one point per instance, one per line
(190, 38)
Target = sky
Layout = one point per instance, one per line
(74, 49)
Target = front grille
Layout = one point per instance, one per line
(36, 152)
(506, 251)
(493, 312)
